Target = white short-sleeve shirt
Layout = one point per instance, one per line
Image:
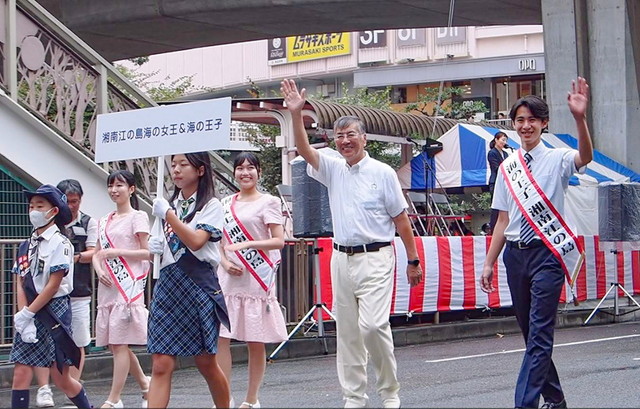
(210, 219)
(363, 199)
(551, 168)
(50, 252)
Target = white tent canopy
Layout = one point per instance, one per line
(462, 163)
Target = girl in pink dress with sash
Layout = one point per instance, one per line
(122, 265)
(252, 239)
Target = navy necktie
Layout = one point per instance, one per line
(526, 232)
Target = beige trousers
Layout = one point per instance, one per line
(362, 289)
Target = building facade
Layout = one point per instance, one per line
(495, 65)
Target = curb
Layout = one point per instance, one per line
(99, 366)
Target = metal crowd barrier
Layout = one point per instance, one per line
(294, 285)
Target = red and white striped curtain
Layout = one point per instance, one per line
(453, 266)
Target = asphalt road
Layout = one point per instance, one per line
(599, 367)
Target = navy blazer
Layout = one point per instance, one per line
(495, 159)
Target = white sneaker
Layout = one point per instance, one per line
(391, 402)
(44, 399)
(251, 405)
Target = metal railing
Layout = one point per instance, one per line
(503, 122)
(62, 81)
(8, 251)
(294, 285)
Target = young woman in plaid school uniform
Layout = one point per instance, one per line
(122, 264)
(187, 306)
(43, 323)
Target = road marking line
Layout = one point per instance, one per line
(457, 358)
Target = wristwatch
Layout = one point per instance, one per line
(415, 262)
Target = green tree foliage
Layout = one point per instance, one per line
(432, 103)
(159, 90)
(461, 204)
(448, 104)
(388, 153)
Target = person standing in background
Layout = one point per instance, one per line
(83, 234)
(495, 156)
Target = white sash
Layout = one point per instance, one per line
(542, 215)
(256, 261)
(129, 286)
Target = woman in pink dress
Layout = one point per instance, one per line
(122, 265)
(252, 239)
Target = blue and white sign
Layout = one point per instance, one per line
(165, 130)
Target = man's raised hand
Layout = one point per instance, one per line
(294, 99)
(578, 97)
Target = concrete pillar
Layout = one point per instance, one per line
(593, 38)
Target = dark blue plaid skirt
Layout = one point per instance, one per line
(182, 317)
(41, 353)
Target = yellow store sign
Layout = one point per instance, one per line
(313, 46)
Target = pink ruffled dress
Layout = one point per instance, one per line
(116, 322)
(255, 314)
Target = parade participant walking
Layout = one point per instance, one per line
(253, 238)
(122, 265)
(367, 206)
(83, 234)
(188, 305)
(43, 334)
(541, 249)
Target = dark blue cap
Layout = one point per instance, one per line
(56, 198)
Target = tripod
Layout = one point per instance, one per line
(614, 286)
(318, 306)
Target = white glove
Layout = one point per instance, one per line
(156, 245)
(160, 207)
(21, 319)
(29, 333)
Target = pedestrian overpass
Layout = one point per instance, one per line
(52, 87)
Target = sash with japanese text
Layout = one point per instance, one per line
(256, 261)
(130, 286)
(541, 214)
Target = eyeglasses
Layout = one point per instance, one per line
(349, 135)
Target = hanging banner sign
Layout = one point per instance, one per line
(313, 46)
(164, 130)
